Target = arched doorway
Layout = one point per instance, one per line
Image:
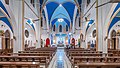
(73, 41)
(113, 39)
(7, 39)
(81, 37)
(47, 42)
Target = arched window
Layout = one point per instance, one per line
(88, 2)
(113, 34)
(54, 28)
(94, 34)
(66, 28)
(7, 39)
(41, 22)
(60, 28)
(32, 2)
(79, 22)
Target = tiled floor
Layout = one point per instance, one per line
(60, 60)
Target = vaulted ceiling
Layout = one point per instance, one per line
(60, 9)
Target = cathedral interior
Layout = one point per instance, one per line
(59, 33)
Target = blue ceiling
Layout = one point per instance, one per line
(60, 12)
(51, 6)
(117, 7)
(5, 19)
(69, 6)
(3, 7)
(60, 1)
(60, 9)
(115, 19)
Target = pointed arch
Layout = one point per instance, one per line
(66, 28)
(7, 39)
(62, 11)
(54, 28)
(113, 39)
(113, 34)
(60, 28)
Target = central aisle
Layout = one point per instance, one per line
(60, 60)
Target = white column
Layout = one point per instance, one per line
(18, 13)
(100, 27)
(73, 26)
(38, 26)
(38, 35)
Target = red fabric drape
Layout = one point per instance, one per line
(47, 42)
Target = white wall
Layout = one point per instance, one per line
(91, 15)
(104, 14)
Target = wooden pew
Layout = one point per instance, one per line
(115, 52)
(19, 65)
(48, 55)
(5, 51)
(25, 59)
(42, 60)
(45, 48)
(29, 48)
(50, 52)
(81, 58)
(95, 61)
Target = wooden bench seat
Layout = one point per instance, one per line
(89, 54)
(19, 65)
(48, 55)
(42, 60)
(37, 52)
(81, 58)
(95, 61)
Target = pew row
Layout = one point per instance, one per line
(95, 61)
(19, 65)
(82, 58)
(41, 60)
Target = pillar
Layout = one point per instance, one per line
(38, 26)
(38, 45)
(108, 43)
(117, 42)
(11, 43)
(18, 11)
(99, 29)
(3, 43)
(102, 38)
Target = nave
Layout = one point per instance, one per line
(59, 33)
